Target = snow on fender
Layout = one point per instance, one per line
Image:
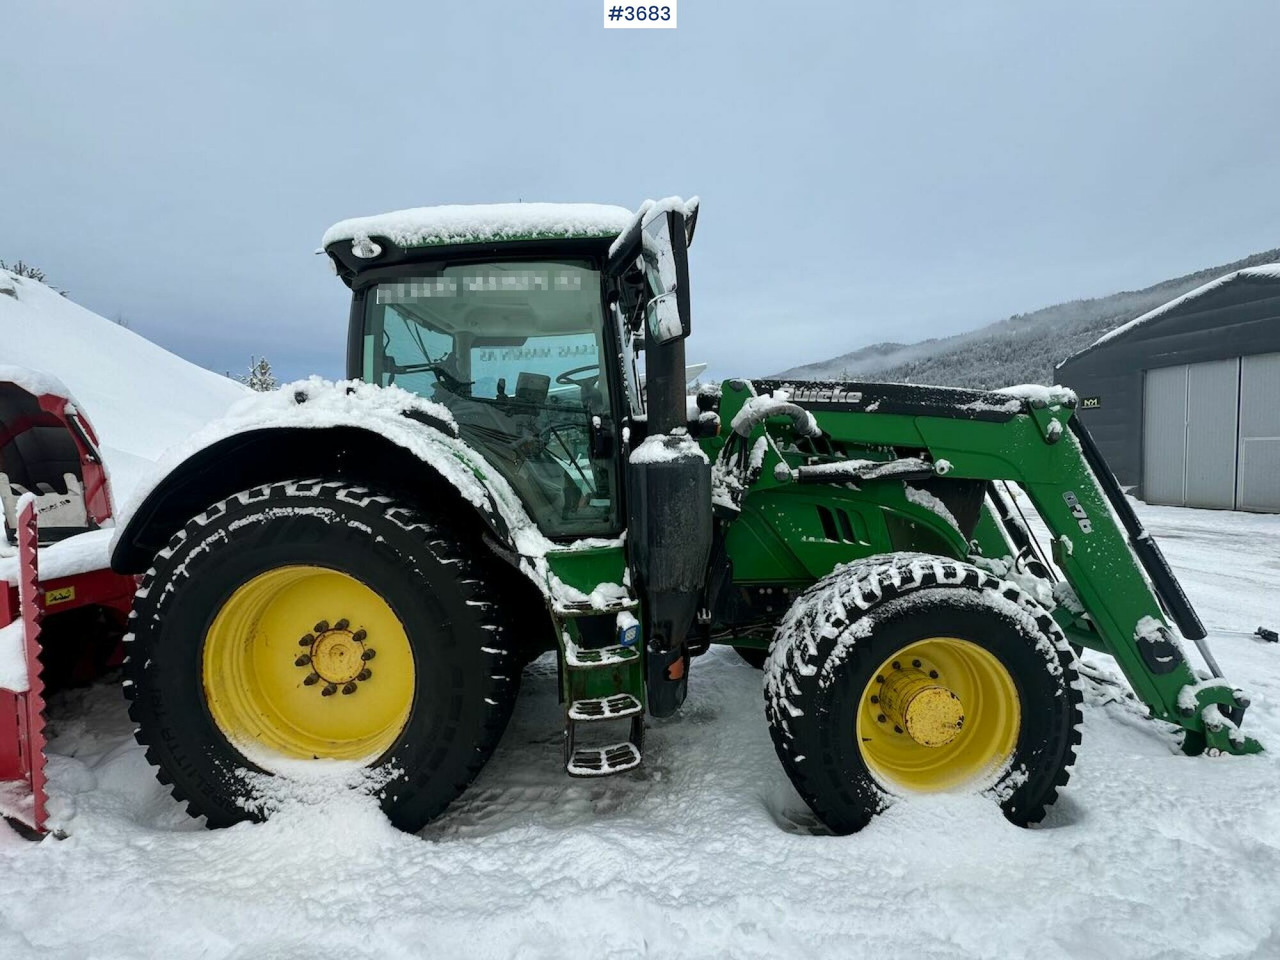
(422, 427)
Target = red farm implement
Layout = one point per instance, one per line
(62, 610)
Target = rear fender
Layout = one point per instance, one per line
(385, 437)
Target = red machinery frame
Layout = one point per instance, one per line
(23, 799)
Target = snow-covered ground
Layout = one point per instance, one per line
(704, 851)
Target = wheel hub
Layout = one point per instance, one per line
(921, 707)
(337, 655)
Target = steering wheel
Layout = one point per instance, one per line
(585, 383)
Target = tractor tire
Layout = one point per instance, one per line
(312, 619)
(912, 673)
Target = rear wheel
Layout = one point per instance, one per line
(917, 674)
(315, 620)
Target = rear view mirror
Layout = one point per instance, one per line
(664, 256)
(657, 241)
(664, 322)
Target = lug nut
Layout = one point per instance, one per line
(342, 624)
(896, 728)
(881, 718)
(369, 654)
(359, 636)
(312, 679)
(307, 641)
(933, 674)
(322, 626)
(916, 664)
(348, 688)
(329, 690)
(879, 678)
(897, 665)
(364, 674)
(874, 698)
(303, 660)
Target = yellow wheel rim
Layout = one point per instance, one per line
(940, 713)
(310, 663)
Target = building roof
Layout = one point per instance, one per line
(1266, 272)
(484, 223)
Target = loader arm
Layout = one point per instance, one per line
(1128, 594)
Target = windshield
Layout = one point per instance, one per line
(514, 350)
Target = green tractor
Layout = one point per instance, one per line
(353, 575)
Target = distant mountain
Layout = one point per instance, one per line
(1022, 349)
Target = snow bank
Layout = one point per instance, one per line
(459, 223)
(1269, 271)
(139, 397)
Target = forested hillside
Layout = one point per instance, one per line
(1021, 349)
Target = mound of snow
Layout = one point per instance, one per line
(140, 398)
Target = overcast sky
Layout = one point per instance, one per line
(868, 171)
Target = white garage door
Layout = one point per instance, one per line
(1190, 434)
(1164, 436)
(1258, 486)
(1213, 401)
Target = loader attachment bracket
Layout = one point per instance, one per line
(1221, 709)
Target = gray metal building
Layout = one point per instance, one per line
(1184, 401)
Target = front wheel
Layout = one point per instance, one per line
(914, 674)
(314, 620)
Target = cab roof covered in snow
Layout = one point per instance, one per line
(482, 223)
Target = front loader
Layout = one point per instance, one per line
(359, 571)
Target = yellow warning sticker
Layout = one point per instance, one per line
(61, 595)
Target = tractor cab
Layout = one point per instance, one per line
(525, 321)
(517, 319)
